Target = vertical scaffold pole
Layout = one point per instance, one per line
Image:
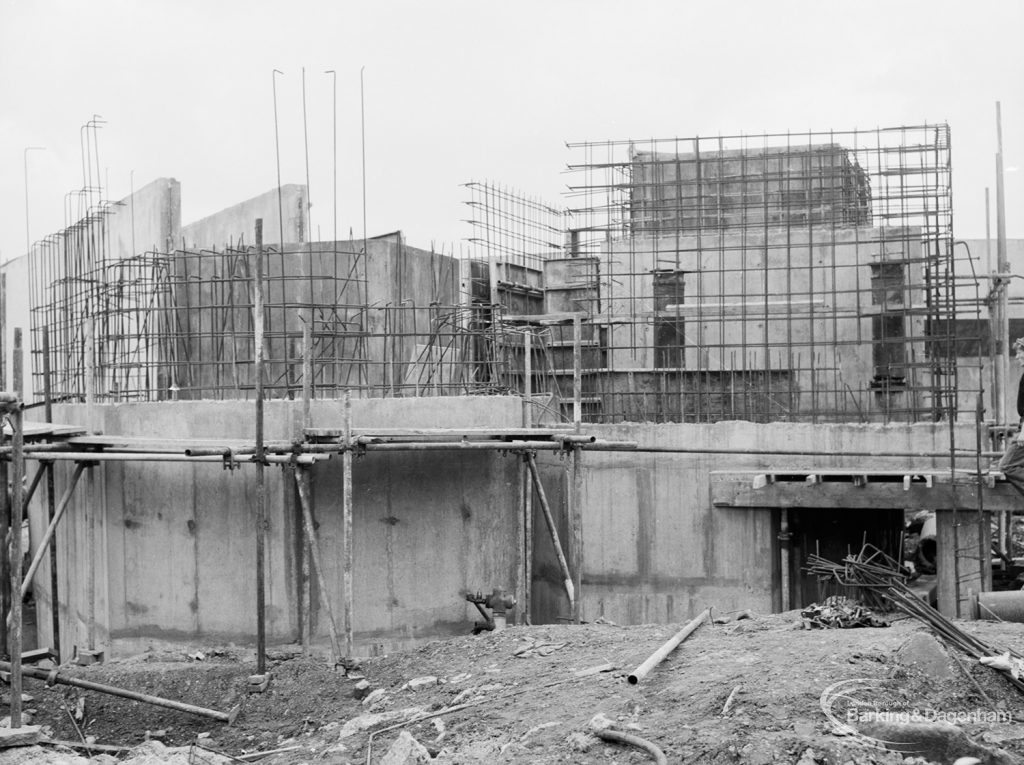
(51, 507)
(5, 499)
(261, 500)
(17, 513)
(346, 457)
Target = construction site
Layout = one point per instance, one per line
(361, 501)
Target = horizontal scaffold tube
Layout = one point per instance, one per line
(273, 459)
(492, 446)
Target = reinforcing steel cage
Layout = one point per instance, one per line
(773, 277)
(801, 277)
(180, 325)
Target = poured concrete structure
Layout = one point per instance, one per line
(657, 549)
(166, 551)
(284, 218)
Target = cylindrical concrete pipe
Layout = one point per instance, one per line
(1006, 605)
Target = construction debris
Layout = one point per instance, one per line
(419, 683)
(866, 575)
(602, 728)
(838, 612)
(259, 683)
(406, 751)
(26, 735)
(538, 649)
(728, 702)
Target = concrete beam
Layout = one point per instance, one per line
(858, 491)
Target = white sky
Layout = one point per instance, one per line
(460, 91)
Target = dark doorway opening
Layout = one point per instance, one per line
(835, 533)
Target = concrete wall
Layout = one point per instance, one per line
(17, 314)
(237, 223)
(166, 551)
(169, 548)
(147, 220)
(370, 313)
(656, 550)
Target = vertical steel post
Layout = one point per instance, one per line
(577, 381)
(525, 568)
(261, 500)
(528, 552)
(346, 457)
(306, 627)
(17, 513)
(50, 499)
(576, 526)
(5, 498)
(527, 379)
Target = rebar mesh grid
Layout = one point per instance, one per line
(772, 277)
(513, 229)
(180, 326)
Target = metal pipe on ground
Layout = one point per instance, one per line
(615, 737)
(51, 677)
(658, 656)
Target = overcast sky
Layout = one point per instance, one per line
(461, 91)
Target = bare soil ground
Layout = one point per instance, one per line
(527, 704)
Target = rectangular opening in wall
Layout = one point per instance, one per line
(669, 331)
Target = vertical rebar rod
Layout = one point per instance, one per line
(1002, 347)
(277, 155)
(307, 373)
(334, 134)
(305, 143)
(28, 239)
(17, 515)
(362, 127)
(261, 501)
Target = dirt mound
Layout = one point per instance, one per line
(528, 694)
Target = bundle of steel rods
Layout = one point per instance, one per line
(880, 582)
(871, 572)
(905, 600)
